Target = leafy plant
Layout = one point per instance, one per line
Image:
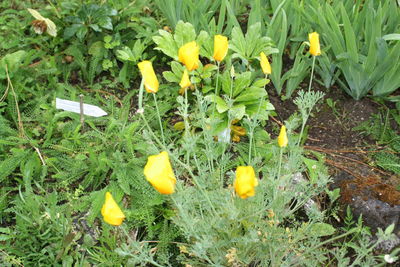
(248, 47)
(90, 17)
(361, 49)
(169, 43)
(241, 98)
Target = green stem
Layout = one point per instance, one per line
(309, 89)
(55, 9)
(162, 145)
(140, 98)
(302, 130)
(231, 91)
(280, 162)
(312, 73)
(159, 118)
(334, 238)
(254, 124)
(250, 146)
(185, 115)
(216, 90)
(185, 119)
(185, 166)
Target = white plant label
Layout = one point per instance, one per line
(74, 106)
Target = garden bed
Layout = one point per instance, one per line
(138, 133)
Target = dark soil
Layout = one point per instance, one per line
(331, 132)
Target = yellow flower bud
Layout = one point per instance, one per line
(220, 47)
(159, 173)
(149, 76)
(185, 81)
(265, 66)
(315, 49)
(245, 181)
(282, 138)
(189, 55)
(111, 212)
(232, 72)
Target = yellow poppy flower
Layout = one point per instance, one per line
(189, 55)
(111, 212)
(315, 49)
(282, 138)
(245, 181)
(220, 47)
(185, 81)
(150, 79)
(265, 66)
(159, 173)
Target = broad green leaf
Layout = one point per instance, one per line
(184, 33)
(251, 94)
(96, 48)
(171, 77)
(220, 103)
(242, 81)
(237, 111)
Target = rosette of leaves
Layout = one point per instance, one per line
(247, 47)
(90, 17)
(170, 43)
(240, 97)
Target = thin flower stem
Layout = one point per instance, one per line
(140, 98)
(185, 115)
(55, 9)
(185, 166)
(216, 90)
(312, 73)
(122, 228)
(159, 118)
(254, 124)
(280, 162)
(231, 91)
(185, 119)
(309, 89)
(250, 146)
(302, 130)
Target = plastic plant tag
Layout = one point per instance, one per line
(225, 136)
(74, 106)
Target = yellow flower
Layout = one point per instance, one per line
(189, 55)
(159, 173)
(315, 49)
(220, 47)
(266, 67)
(149, 76)
(111, 212)
(245, 181)
(238, 130)
(185, 81)
(236, 138)
(282, 138)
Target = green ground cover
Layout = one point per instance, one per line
(222, 190)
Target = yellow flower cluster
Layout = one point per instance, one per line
(158, 170)
(188, 55)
